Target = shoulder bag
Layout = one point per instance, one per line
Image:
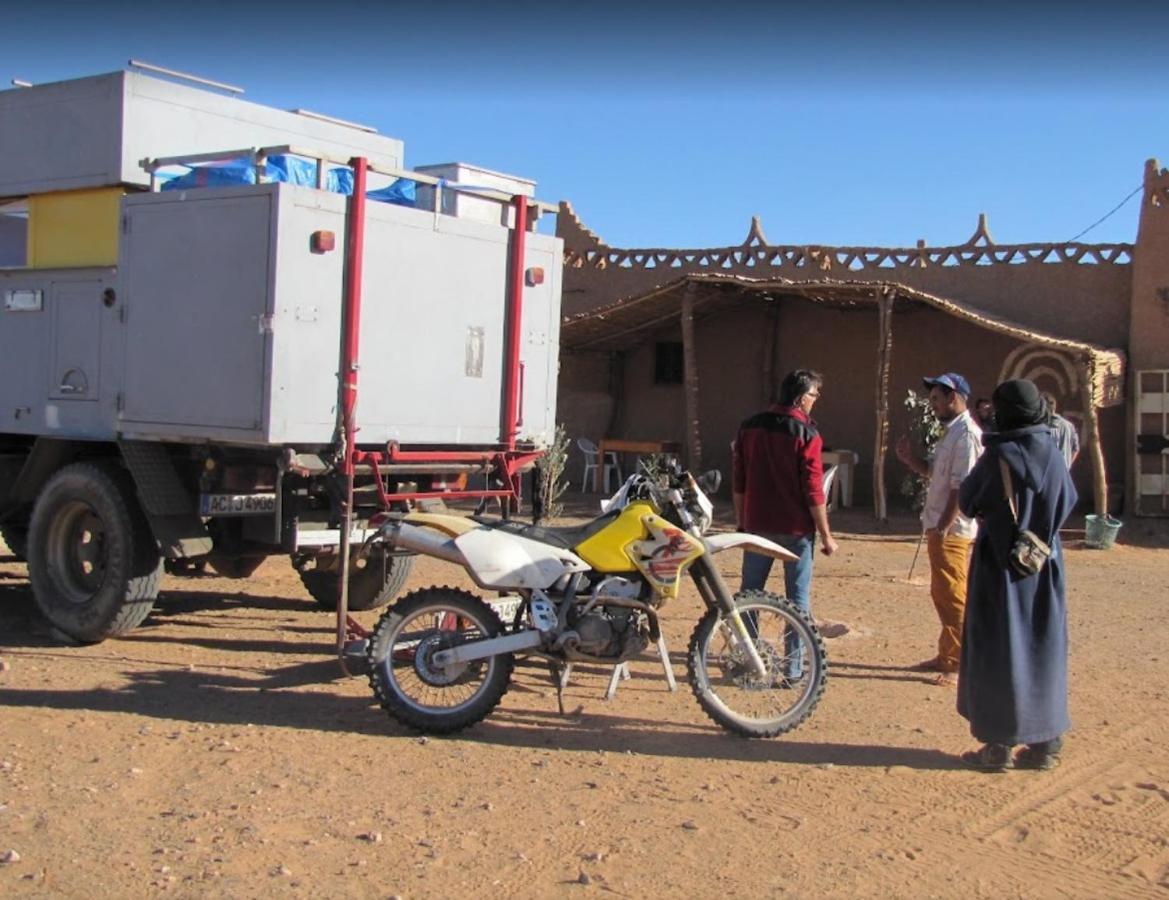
(1029, 552)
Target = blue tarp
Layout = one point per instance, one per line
(402, 192)
(289, 169)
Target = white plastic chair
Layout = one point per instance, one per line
(592, 458)
(829, 483)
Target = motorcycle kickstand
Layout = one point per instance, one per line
(557, 679)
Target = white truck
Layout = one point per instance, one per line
(186, 325)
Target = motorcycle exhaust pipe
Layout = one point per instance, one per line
(426, 541)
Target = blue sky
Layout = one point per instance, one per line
(671, 125)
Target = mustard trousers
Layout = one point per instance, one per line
(949, 565)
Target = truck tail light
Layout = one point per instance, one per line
(322, 241)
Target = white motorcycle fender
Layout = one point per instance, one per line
(496, 559)
(720, 542)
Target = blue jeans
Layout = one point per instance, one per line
(797, 580)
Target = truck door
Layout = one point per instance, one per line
(76, 342)
(195, 269)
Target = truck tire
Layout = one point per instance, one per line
(92, 560)
(367, 590)
(15, 537)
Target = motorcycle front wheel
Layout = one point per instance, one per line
(414, 690)
(726, 682)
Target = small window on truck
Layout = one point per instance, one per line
(14, 234)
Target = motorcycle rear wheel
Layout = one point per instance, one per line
(728, 688)
(424, 696)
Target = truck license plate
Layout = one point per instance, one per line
(237, 504)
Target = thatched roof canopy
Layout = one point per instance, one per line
(631, 321)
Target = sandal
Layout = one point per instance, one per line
(945, 679)
(1039, 757)
(989, 758)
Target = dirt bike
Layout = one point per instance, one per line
(441, 659)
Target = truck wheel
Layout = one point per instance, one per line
(15, 537)
(92, 559)
(367, 589)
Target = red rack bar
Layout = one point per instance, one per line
(352, 325)
(515, 309)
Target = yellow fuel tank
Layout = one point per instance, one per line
(605, 550)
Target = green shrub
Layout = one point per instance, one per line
(924, 433)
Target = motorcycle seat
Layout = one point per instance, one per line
(566, 538)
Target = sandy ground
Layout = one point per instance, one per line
(219, 752)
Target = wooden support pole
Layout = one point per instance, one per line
(1092, 439)
(690, 377)
(881, 439)
(770, 339)
(617, 392)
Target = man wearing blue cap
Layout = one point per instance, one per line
(949, 534)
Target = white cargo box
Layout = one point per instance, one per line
(468, 206)
(222, 324)
(95, 132)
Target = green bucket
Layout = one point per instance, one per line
(1100, 531)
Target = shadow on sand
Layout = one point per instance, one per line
(237, 691)
(271, 698)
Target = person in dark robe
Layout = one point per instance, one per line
(1012, 682)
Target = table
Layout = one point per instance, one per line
(642, 448)
(846, 461)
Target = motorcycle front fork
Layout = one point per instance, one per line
(716, 595)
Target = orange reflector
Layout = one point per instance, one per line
(322, 241)
(534, 276)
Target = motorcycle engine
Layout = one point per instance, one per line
(610, 632)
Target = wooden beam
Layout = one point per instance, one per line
(770, 340)
(617, 375)
(881, 440)
(690, 381)
(1092, 439)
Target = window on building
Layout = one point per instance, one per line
(668, 362)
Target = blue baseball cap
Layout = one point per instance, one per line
(951, 380)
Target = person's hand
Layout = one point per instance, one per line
(902, 449)
(828, 545)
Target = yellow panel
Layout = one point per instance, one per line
(74, 228)
(605, 550)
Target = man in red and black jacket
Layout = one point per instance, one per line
(779, 491)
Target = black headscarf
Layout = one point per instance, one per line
(1017, 404)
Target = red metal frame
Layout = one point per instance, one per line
(507, 462)
(352, 324)
(355, 631)
(508, 465)
(515, 309)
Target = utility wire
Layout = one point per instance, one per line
(1114, 209)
